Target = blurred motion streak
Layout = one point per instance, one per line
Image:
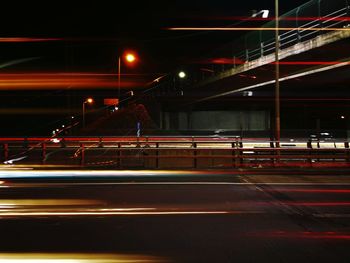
(27, 39)
(317, 203)
(17, 61)
(256, 29)
(60, 80)
(102, 212)
(48, 202)
(309, 235)
(331, 191)
(40, 111)
(75, 258)
(237, 61)
(283, 18)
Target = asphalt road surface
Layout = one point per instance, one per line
(174, 216)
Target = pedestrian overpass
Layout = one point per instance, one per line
(236, 92)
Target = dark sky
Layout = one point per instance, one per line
(92, 35)
(94, 32)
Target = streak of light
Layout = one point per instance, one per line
(327, 215)
(317, 203)
(31, 185)
(207, 70)
(282, 18)
(17, 61)
(41, 111)
(31, 167)
(4, 213)
(330, 191)
(76, 258)
(47, 202)
(231, 61)
(72, 80)
(308, 62)
(257, 29)
(27, 39)
(310, 235)
(89, 173)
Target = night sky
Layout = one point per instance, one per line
(94, 32)
(88, 37)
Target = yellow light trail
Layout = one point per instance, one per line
(76, 258)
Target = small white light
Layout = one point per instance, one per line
(342, 117)
(63, 126)
(248, 93)
(182, 74)
(265, 13)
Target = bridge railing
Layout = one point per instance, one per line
(305, 22)
(171, 152)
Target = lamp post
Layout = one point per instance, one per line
(130, 58)
(277, 79)
(87, 101)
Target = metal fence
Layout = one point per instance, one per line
(171, 152)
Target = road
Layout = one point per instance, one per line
(174, 216)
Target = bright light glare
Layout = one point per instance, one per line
(38, 260)
(75, 258)
(265, 13)
(130, 58)
(182, 74)
(90, 100)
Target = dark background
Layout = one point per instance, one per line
(91, 36)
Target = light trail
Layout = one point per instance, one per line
(52, 184)
(47, 81)
(231, 61)
(308, 235)
(281, 18)
(323, 191)
(17, 61)
(101, 212)
(76, 258)
(47, 202)
(27, 39)
(257, 29)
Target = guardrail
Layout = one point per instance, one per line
(171, 152)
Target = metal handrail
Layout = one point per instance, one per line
(169, 151)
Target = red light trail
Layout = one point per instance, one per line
(27, 39)
(23, 81)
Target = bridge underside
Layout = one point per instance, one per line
(314, 79)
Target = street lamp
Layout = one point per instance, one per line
(87, 101)
(128, 57)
